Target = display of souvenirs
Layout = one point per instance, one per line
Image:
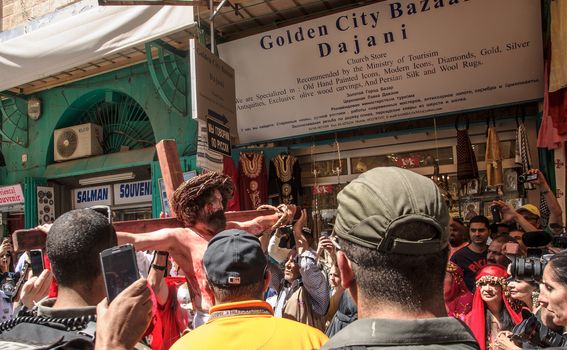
(253, 180)
(408, 160)
(510, 180)
(285, 179)
(515, 202)
(324, 168)
(473, 187)
(471, 209)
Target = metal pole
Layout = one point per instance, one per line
(212, 27)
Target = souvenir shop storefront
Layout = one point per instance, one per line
(348, 93)
(311, 172)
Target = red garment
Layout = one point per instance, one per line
(230, 170)
(458, 298)
(53, 287)
(253, 180)
(553, 127)
(476, 318)
(167, 323)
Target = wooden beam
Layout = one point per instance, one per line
(170, 168)
(34, 239)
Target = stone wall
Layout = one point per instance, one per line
(14, 13)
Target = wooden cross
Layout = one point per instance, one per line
(172, 176)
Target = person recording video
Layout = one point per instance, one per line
(544, 328)
(553, 289)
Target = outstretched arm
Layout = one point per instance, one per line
(260, 224)
(166, 239)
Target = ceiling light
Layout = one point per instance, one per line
(106, 178)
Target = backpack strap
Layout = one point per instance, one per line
(89, 330)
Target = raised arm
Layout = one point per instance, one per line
(555, 212)
(312, 277)
(156, 280)
(509, 214)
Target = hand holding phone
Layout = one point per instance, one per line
(496, 216)
(122, 324)
(119, 269)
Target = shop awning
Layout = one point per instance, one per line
(98, 35)
(107, 162)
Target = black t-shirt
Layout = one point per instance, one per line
(470, 262)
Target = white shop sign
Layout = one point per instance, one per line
(391, 60)
(89, 196)
(10, 195)
(133, 192)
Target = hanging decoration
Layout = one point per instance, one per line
(467, 168)
(253, 180)
(493, 157)
(523, 158)
(339, 168)
(285, 179)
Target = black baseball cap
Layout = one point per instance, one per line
(234, 258)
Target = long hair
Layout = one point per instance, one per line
(506, 322)
(192, 195)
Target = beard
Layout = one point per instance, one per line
(216, 221)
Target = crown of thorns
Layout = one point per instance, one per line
(196, 186)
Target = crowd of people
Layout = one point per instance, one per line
(394, 271)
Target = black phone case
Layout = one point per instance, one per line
(112, 291)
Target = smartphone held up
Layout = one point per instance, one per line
(119, 269)
(36, 261)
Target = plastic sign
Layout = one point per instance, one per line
(89, 196)
(10, 195)
(133, 192)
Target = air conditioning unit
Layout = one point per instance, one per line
(77, 142)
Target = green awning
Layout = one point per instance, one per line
(107, 162)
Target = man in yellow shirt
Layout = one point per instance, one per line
(237, 273)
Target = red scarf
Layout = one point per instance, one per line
(476, 319)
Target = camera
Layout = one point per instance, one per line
(531, 331)
(530, 267)
(287, 239)
(8, 283)
(527, 177)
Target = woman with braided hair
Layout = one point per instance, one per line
(199, 204)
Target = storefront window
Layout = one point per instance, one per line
(322, 199)
(325, 168)
(408, 160)
(508, 149)
(475, 198)
(132, 214)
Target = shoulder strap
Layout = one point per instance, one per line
(89, 331)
